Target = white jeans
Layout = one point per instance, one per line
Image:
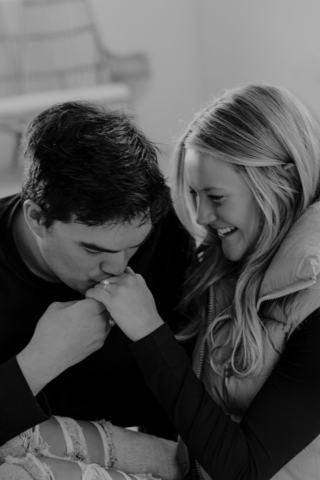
(130, 452)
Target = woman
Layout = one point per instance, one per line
(246, 186)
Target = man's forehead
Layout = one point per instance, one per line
(132, 225)
(120, 237)
(111, 229)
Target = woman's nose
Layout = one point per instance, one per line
(206, 213)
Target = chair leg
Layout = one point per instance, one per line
(15, 154)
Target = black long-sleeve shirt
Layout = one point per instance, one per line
(281, 421)
(107, 384)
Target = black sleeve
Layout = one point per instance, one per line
(19, 409)
(283, 418)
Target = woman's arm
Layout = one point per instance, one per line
(289, 400)
(283, 418)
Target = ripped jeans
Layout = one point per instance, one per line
(62, 449)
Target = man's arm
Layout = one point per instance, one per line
(19, 409)
(65, 334)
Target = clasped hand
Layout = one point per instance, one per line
(129, 302)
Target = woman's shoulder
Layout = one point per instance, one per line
(295, 268)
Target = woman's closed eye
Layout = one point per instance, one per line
(216, 198)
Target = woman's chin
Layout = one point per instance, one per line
(233, 254)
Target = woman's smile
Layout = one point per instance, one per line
(227, 231)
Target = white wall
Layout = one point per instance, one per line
(272, 40)
(199, 47)
(166, 31)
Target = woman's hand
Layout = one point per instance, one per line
(129, 302)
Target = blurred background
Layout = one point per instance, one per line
(161, 60)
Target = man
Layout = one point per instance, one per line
(93, 201)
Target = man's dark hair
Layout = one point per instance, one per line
(91, 165)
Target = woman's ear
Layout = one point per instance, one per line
(288, 166)
(292, 171)
(32, 215)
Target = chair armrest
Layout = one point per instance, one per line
(25, 105)
(124, 68)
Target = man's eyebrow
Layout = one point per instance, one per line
(93, 246)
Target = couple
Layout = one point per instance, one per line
(245, 185)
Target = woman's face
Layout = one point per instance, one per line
(223, 201)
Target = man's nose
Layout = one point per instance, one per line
(206, 212)
(115, 263)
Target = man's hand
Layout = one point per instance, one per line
(65, 334)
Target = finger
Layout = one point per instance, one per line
(64, 304)
(97, 304)
(106, 286)
(110, 321)
(99, 295)
(111, 280)
(130, 271)
(71, 302)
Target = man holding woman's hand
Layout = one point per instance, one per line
(129, 302)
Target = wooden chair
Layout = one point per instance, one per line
(50, 52)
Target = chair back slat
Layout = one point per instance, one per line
(9, 82)
(56, 46)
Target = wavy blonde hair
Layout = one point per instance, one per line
(258, 129)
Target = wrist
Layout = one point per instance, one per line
(147, 328)
(34, 370)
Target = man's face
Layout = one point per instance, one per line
(81, 256)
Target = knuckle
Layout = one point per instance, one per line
(54, 306)
(90, 302)
(121, 290)
(92, 305)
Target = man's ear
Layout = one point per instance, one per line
(32, 215)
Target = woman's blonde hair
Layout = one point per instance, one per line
(274, 143)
